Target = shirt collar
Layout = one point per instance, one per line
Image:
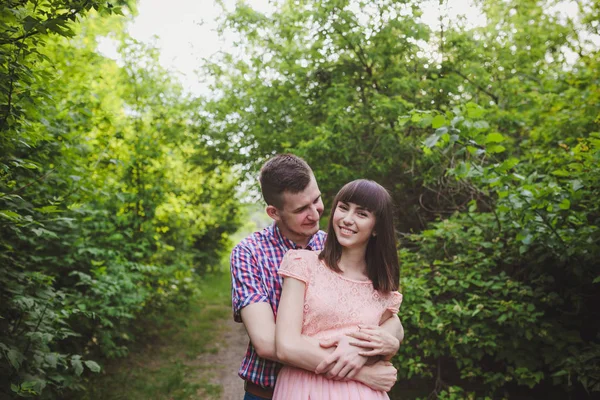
(287, 243)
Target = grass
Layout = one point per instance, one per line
(167, 364)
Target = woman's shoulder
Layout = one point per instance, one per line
(302, 254)
(299, 264)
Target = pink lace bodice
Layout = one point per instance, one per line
(334, 304)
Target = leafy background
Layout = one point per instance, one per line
(119, 190)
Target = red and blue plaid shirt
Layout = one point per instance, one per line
(254, 264)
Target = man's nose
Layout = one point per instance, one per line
(314, 213)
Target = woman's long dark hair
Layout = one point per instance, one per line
(381, 255)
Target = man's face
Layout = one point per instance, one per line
(300, 214)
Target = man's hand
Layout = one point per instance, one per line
(374, 341)
(344, 362)
(380, 376)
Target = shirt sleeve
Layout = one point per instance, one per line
(246, 283)
(295, 265)
(395, 301)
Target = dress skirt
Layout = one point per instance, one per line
(298, 384)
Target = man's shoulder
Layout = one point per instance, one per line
(254, 240)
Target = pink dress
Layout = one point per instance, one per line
(333, 305)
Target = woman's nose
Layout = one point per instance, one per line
(347, 220)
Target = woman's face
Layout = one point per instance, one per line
(353, 225)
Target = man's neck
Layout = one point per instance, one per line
(300, 240)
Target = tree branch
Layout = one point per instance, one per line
(479, 87)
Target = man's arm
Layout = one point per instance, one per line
(394, 327)
(250, 302)
(260, 325)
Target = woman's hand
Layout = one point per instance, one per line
(375, 341)
(344, 362)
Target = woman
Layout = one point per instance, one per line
(353, 282)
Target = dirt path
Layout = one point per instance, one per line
(222, 364)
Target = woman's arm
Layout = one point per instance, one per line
(294, 349)
(291, 347)
(300, 351)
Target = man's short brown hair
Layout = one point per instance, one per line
(283, 173)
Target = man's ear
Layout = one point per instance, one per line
(273, 212)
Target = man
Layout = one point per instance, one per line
(294, 203)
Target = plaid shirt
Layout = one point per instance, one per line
(254, 279)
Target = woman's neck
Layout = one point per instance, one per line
(353, 263)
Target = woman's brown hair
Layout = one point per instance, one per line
(381, 255)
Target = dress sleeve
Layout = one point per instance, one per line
(394, 303)
(296, 264)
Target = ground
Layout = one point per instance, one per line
(193, 353)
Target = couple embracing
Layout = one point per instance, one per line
(320, 308)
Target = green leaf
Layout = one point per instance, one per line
(431, 140)
(494, 137)
(565, 204)
(9, 215)
(403, 120)
(474, 111)
(52, 359)
(77, 365)
(498, 148)
(438, 121)
(15, 358)
(507, 165)
(560, 172)
(47, 209)
(92, 365)
(29, 22)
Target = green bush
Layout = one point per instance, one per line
(506, 291)
(104, 214)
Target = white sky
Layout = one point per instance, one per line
(185, 32)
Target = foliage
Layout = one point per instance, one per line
(184, 344)
(505, 291)
(103, 214)
(486, 136)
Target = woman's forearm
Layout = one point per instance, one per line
(301, 351)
